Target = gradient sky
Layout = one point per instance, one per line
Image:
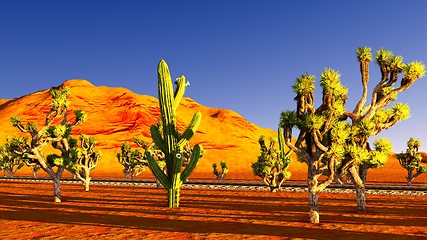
(239, 55)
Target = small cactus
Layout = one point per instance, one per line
(171, 143)
(223, 173)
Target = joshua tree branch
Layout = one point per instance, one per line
(316, 135)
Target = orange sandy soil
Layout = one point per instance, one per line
(27, 212)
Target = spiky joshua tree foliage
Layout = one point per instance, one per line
(272, 165)
(83, 159)
(171, 143)
(411, 160)
(55, 131)
(220, 174)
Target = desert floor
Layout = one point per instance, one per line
(27, 211)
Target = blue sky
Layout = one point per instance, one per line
(239, 55)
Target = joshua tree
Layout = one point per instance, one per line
(319, 127)
(321, 139)
(272, 165)
(9, 162)
(411, 160)
(83, 159)
(370, 119)
(56, 135)
(133, 161)
(224, 170)
(172, 143)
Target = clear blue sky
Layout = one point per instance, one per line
(240, 55)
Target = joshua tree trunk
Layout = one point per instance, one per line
(313, 203)
(86, 178)
(313, 195)
(56, 189)
(360, 188)
(219, 179)
(56, 177)
(409, 177)
(86, 184)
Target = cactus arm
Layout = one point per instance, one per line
(191, 130)
(181, 83)
(160, 175)
(157, 138)
(192, 164)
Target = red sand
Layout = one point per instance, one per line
(28, 212)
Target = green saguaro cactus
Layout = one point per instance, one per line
(172, 143)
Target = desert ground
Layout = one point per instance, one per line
(106, 212)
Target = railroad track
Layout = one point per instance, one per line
(291, 187)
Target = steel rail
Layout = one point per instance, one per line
(105, 181)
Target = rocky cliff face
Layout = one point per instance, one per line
(116, 115)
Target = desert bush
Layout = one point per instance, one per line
(133, 161)
(272, 165)
(10, 163)
(411, 160)
(220, 174)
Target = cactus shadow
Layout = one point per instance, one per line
(209, 213)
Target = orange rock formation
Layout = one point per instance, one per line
(116, 115)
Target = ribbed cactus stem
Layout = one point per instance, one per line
(171, 143)
(173, 197)
(166, 101)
